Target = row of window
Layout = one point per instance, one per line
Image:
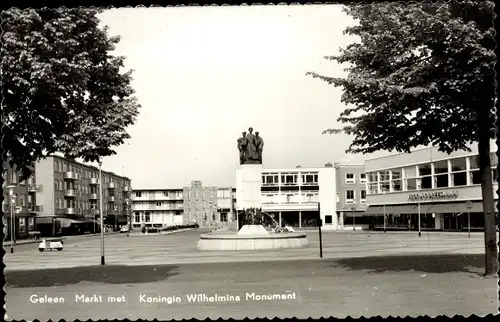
(290, 179)
(61, 166)
(176, 194)
(350, 178)
(61, 203)
(145, 217)
(443, 180)
(350, 196)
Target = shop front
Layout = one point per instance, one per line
(445, 210)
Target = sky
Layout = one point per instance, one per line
(205, 74)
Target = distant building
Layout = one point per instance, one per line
(351, 193)
(292, 196)
(157, 208)
(62, 197)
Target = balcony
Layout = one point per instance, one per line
(35, 209)
(127, 189)
(93, 196)
(111, 185)
(93, 181)
(112, 199)
(35, 188)
(70, 175)
(70, 193)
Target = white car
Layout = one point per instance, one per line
(51, 245)
(124, 229)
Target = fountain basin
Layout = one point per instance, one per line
(246, 241)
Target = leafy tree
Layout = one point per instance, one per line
(63, 91)
(422, 73)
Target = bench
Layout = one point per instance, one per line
(35, 234)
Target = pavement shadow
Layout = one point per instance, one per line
(96, 274)
(421, 263)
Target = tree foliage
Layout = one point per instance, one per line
(419, 75)
(62, 89)
(423, 74)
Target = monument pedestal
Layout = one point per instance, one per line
(248, 186)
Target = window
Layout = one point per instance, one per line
(363, 196)
(165, 193)
(350, 178)
(22, 201)
(493, 159)
(459, 179)
(328, 219)
(474, 162)
(137, 217)
(349, 196)
(475, 177)
(372, 177)
(441, 167)
(410, 172)
(158, 204)
(441, 181)
(411, 184)
(147, 217)
(362, 177)
(289, 179)
(373, 188)
(458, 165)
(310, 179)
(270, 179)
(385, 183)
(13, 177)
(223, 217)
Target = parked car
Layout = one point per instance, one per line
(51, 245)
(124, 229)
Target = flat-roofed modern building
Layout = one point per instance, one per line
(62, 197)
(292, 196)
(351, 194)
(441, 189)
(157, 208)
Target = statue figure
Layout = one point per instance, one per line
(259, 142)
(242, 146)
(250, 147)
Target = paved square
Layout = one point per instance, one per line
(180, 248)
(361, 274)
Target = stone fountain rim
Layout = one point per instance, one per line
(246, 237)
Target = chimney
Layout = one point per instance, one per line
(328, 165)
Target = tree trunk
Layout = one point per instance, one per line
(490, 238)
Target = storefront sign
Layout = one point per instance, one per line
(430, 196)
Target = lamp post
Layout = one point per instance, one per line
(320, 223)
(383, 192)
(129, 217)
(101, 209)
(353, 209)
(468, 204)
(12, 201)
(418, 200)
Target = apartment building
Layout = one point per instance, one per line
(157, 208)
(299, 197)
(62, 197)
(441, 191)
(351, 194)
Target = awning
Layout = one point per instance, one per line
(427, 208)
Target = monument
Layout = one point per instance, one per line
(251, 235)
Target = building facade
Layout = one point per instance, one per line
(351, 194)
(62, 197)
(153, 208)
(441, 191)
(299, 197)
